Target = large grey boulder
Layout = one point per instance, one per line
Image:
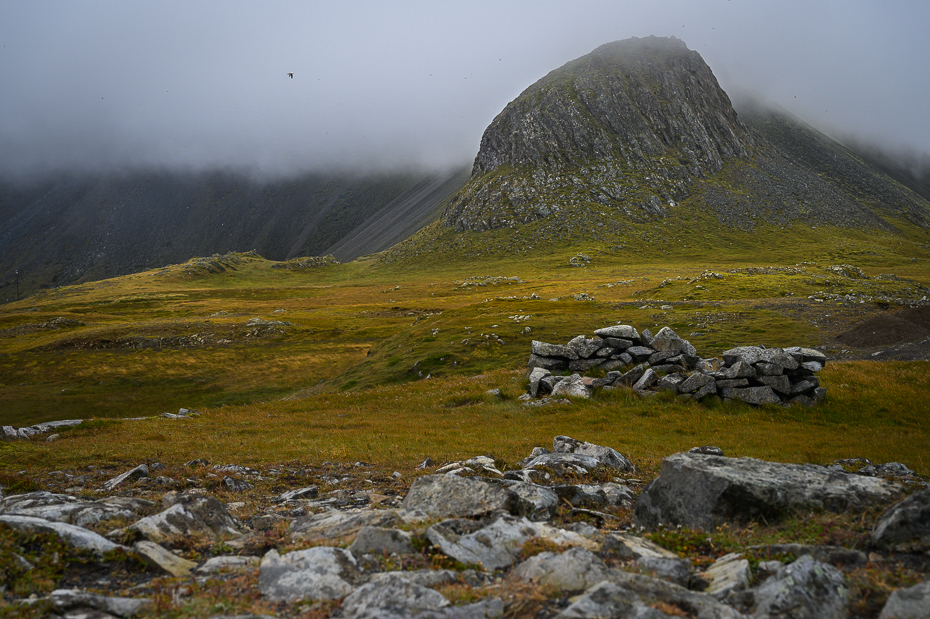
(534, 377)
(910, 603)
(666, 340)
(746, 354)
(752, 395)
(606, 456)
(448, 496)
(65, 508)
(77, 537)
(189, 514)
(495, 545)
(318, 573)
(906, 521)
(805, 589)
(575, 569)
(700, 491)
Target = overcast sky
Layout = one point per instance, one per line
(382, 84)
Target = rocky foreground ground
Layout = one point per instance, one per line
(571, 532)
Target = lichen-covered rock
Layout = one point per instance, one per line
(189, 514)
(448, 496)
(910, 603)
(575, 569)
(907, 521)
(805, 589)
(606, 456)
(319, 573)
(495, 545)
(701, 491)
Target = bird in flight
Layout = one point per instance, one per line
(290, 75)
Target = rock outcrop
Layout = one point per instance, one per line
(700, 492)
(630, 126)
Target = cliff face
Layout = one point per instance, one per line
(630, 125)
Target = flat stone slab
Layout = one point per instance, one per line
(75, 536)
(66, 508)
(496, 545)
(701, 491)
(445, 496)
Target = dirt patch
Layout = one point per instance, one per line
(905, 326)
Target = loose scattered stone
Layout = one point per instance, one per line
(233, 563)
(73, 601)
(388, 595)
(606, 456)
(136, 473)
(495, 545)
(65, 508)
(728, 574)
(158, 557)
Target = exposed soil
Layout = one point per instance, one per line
(907, 325)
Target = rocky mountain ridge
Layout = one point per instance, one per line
(640, 126)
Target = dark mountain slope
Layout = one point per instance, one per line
(72, 229)
(400, 218)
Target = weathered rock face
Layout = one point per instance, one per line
(701, 491)
(908, 521)
(630, 125)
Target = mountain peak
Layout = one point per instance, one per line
(631, 124)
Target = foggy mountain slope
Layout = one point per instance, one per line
(843, 167)
(640, 126)
(79, 228)
(401, 218)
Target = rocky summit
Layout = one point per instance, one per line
(630, 125)
(640, 128)
(548, 536)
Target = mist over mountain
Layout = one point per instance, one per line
(633, 132)
(74, 228)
